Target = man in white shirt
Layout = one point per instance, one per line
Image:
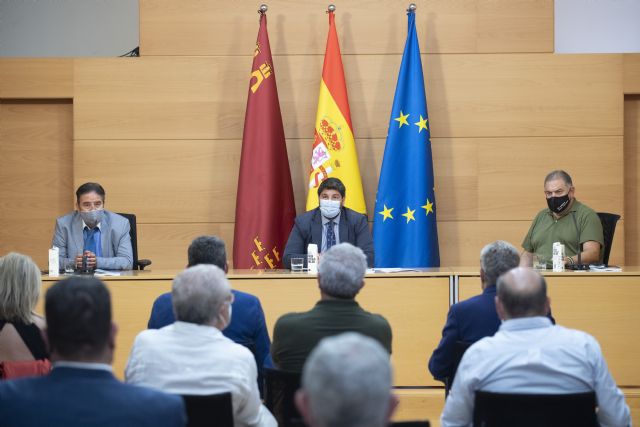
(191, 356)
(530, 355)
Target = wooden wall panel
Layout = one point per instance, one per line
(632, 178)
(631, 73)
(204, 97)
(41, 78)
(197, 27)
(35, 174)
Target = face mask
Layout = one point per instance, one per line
(92, 218)
(558, 204)
(329, 208)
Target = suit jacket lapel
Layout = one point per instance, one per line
(105, 231)
(316, 229)
(78, 234)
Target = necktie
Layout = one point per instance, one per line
(331, 236)
(89, 240)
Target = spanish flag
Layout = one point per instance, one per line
(334, 149)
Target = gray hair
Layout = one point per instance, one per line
(523, 293)
(559, 174)
(20, 284)
(199, 292)
(347, 379)
(341, 271)
(497, 258)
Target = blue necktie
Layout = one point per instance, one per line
(89, 239)
(331, 236)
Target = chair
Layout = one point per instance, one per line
(608, 221)
(214, 410)
(534, 410)
(12, 369)
(458, 351)
(279, 390)
(410, 424)
(138, 264)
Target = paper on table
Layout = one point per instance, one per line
(100, 272)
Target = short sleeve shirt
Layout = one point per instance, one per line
(545, 230)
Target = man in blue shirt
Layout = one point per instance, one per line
(247, 327)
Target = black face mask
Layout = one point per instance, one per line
(558, 204)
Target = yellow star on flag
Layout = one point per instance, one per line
(409, 215)
(428, 207)
(402, 119)
(386, 213)
(422, 124)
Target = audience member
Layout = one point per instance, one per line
(347, 382)
(81, 389)
(247, 327)
(340, 277)
(530, 355)
(475, 318)
(20, 328)
(191, 356)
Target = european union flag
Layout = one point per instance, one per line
(404, 226)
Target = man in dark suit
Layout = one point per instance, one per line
(329, 224)
(81, 389)
(475, 318)
(247, 327)
(100, 235)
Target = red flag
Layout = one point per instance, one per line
(265, 208)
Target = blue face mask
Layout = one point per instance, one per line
(329, 208)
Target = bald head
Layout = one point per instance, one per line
(522, 292)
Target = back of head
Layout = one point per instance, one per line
(347, 381)
(198, 294)
(522, 292)
(332, 184)
(207, 250)
(20, 285)
(341, 271)
(497, 258)
(78, 313)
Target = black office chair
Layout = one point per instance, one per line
(138, 264)
(534, 410)
(214, 410)
(279, 390)
(458, 351)
(608, 221)
(410, 424)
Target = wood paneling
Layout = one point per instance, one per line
(631, 73)
(35, 174)
(204, 97)
(41, 78)
(632, 178)
(197, 27)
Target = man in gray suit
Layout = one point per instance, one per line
(100, 235)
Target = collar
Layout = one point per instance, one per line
(491, 289)
(98, 226)
(337, 302)
(335, 220)
(524, 323)
(83, 365)
(188, 327)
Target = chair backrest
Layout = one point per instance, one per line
(214, 410)
(458, 351)
(424, 423)
(12, 369)
(279, 390)
(534, 410)
(608, 221)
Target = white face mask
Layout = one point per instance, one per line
(329, 208)
(92, 218)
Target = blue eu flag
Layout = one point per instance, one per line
(404, 226)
